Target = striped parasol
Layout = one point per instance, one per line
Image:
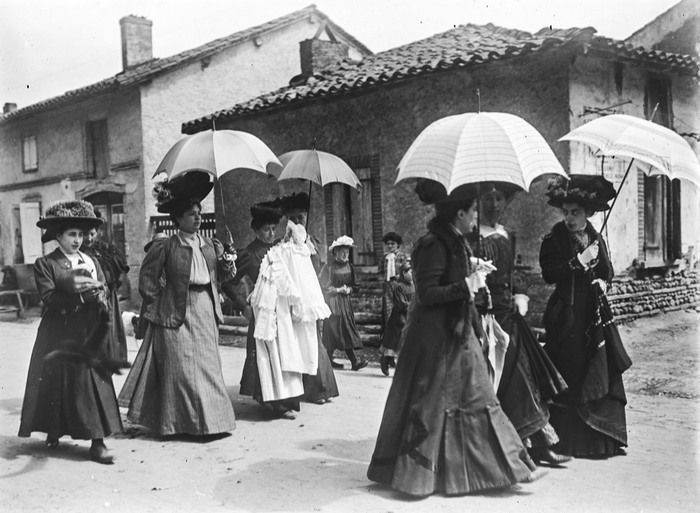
(479, 147)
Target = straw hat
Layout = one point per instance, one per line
(342, 242)
(65, 214)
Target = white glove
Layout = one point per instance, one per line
(476, 280)
(481, 265)
(603, 286)
(521, 302)
(589, 254)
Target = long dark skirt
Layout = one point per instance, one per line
(250, 378)
(443, 429)
(176, 384)
(529, 378)
(322, 386)
(66, 397)
(339, 330)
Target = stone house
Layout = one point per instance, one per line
(103, 141)
(369, 112)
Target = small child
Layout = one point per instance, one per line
(337, 279)
(402, 291)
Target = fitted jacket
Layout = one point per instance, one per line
(165, 276)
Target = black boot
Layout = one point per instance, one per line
(548, 456)
(356, 364)
(384, 365)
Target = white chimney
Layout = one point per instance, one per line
(137, 40)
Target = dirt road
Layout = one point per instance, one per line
(318, 461)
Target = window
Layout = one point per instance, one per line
(30, 162)
(661, 208)
(97, 148)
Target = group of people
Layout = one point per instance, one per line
(475, 402)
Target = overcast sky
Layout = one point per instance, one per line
(50, 46)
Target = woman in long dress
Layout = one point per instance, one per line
(528, 380)
(320, 387)
(590, 417)
(265, 217)
(338, 281)
(176, 385)
(401, 291)
(71, 396)
(443, 429)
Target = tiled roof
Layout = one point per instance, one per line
(147, 70)
(460, 47)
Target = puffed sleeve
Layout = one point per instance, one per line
(430, 263)
(324, 279)
(54, 291)
(152, 268)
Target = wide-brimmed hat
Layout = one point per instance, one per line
(170, 194)
(392, 236)
(67, 213)
(265, 212)
(296, 201)
(157, 237)
(342, 242)
(592, 192)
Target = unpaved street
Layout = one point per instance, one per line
(318, 461)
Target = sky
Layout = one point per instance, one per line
(48, 47)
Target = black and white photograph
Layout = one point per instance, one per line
(370, 256)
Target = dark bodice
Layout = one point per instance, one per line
(335, 274)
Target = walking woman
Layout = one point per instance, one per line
(528, 379)
(321, 387)
(337, 281)
(176, 385)
(401, 292)
(264, 219)
(443, 429)
(590, 417)
(114, 267)
(71, 397)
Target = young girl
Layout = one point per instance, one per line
(337, 280)
(74, 396)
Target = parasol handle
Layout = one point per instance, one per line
(607, 215)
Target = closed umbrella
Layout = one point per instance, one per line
(479, 147)
(658, 149)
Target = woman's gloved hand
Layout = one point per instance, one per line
(603, 286)
(588, 255)
(522, 303)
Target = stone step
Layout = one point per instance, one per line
(368, 317)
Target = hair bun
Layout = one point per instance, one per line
(430, 191)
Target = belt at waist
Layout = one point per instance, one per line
(199, 286)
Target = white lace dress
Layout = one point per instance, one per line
(287, 301)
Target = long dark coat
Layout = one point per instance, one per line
(66, 397)
(443, 429)
(586, 426)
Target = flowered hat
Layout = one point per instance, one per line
(590, 191)
(65, 214)
(342, 242)
(171, 193)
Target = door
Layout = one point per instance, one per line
(29, 213)
(361, 209)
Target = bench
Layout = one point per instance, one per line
(24, 290)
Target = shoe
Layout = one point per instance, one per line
(100, 454)
(548, 456)
(51, 443)
(359, 365)
(384, 365)
(535, 475)
(287, 415)
(337, 365)
(392, 361)
(320, 401)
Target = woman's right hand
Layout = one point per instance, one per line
(589, 255)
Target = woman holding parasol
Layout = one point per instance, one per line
(590, 417)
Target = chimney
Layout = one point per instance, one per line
(318, 54)
(137, 42)
(9, 107)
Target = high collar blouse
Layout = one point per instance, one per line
(199, 272)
